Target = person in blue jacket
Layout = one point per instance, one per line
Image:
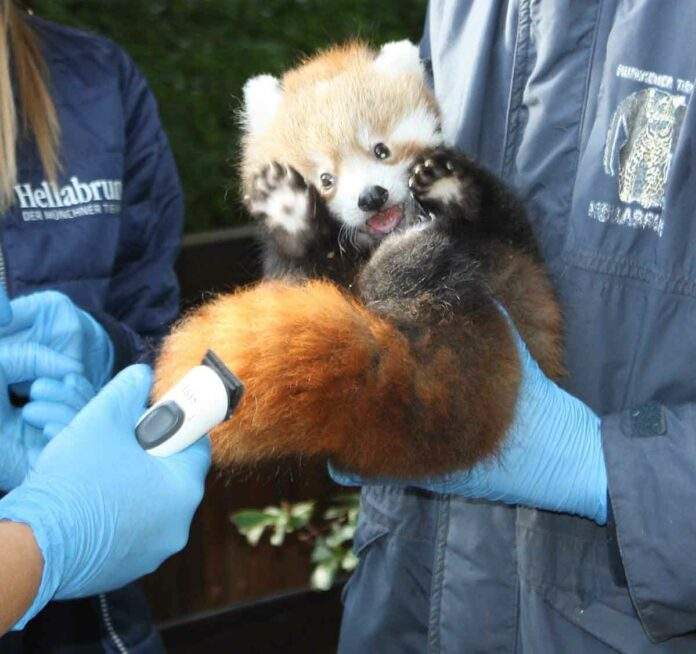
(581, 535)
(91, 216)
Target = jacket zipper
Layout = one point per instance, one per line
(109, 624)
(3, 267)
(3, 275)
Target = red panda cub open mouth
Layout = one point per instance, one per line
(386, 221)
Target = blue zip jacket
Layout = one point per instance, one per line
(107, 236)
(587, 109)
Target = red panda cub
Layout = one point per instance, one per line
(376, 339)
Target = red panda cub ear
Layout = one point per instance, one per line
(262, 96)
(399, 57)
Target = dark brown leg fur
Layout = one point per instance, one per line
(523, 288)
(489, 223)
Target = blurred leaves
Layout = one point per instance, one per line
(197, 54)
(332, 552)
(281, 520)
(331, 536)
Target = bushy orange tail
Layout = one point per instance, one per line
(325, 376)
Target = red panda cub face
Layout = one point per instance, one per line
(351, 121)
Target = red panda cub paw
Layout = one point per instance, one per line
(439, 180)
(281, 197)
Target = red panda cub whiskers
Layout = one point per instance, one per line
(376, 338)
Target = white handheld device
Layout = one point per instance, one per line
(206, 396)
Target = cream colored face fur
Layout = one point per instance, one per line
(326, 116)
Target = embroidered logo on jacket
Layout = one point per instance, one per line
(75, 199)
(640, 142)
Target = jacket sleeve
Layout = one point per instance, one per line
(651, 467)
(143, 296)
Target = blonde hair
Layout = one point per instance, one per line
(22, 65)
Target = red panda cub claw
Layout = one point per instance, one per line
(442, 183)
(280, 196)
(429, 174)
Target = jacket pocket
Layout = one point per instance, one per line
(367, 532)
(567, 562)
(387, 600)
(395, 532)
(371, 527)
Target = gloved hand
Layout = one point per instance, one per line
(53, 404)
(51, 319)
(551, 458)
(24, 432)
(102, 510)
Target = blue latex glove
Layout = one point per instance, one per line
(551, 459)
(51, 319)
(54, 404)
(102, 510)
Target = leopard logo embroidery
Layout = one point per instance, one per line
(641, 139)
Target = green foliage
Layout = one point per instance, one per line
(197, 54)
(282, 520)
(332, 551)
(331, 536)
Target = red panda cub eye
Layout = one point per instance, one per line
(327, 181)
(381, 151)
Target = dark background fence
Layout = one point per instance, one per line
(294, 623)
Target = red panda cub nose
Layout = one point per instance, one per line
(373, 198)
